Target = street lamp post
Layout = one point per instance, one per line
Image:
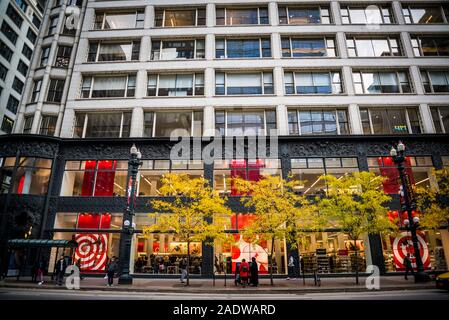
(412, 223)
(128, 226)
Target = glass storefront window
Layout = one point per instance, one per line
(432, 246)
(332, 252)
(95, 178)
(251, 170)
(419, 170)
(152, 171)
(71, 220)
(31, 177)
(308, 172)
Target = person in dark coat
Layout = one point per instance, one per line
(112, 269)
(408, 266)
(237, 279)
(254, 272)
(61, 266)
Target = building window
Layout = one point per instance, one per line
(5, 51)
(101, 125)
(390, 120)
(123, 51)
(27, 124)
(14, 16)
(180, 17)
(48, 125)
(53, 27)
(108, 87)
(119, 20)
(242, 48)
(36, 90)
(425, 13)
(175, 85)
(31, 36)
(44, 56)
(419, 170)
(304, 15)
(9, 32)
(227, 83)
(373, 14)
(440, 116)
(13, 104)
(3, 72)
(381, 82)
(245, 123)
(22, 5)
(435, 81)
(177, 49)
(63, 56)
(27, 51)
(36, 21)
(17, 85)
(308, 172)
(430, 46)
(225, 171)
(313, 82)
(179, 123)
(318, 122)
(32, 176)
(22, 68)
(241, 16)
(308, 47)
(7, 124)
(55, 90)
(373, 47)
(100, 178)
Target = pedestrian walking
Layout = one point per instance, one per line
(254, 272)
(291, 267)
(111, 270)
(61, 266)
(408, 266)
(244, 272)
(40, 271)
(237, 279)
(183, 268)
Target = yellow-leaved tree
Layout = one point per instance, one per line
(433, 203)
(192, 210)
(278, 212)
(356, 203)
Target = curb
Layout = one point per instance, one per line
(227, 291)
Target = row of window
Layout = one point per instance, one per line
(6, 52)
(250, 83)
(28, 175)
(260, 47)
(258, 15)
(301, 121)
(12, 35)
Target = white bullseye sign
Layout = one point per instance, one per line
(403, 244)
(91, 251)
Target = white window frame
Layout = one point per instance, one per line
(92, 77)
(86, 119)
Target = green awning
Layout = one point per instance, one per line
(37, 243)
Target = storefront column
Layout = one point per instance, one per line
(354, 119)
(445, 243)
(209, 121)
(426, 116)
(207, 256)
(282, 119)
(137, 122)
(377, 257)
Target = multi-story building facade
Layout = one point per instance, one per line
(336, 81)
(20, 21)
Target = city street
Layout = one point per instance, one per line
(47, 294)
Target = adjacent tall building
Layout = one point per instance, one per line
(337, 81)
(20, 21)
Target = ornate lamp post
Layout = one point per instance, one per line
(128, 226)
(409, 204)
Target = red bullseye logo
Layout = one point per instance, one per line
(91, 251)
(402, 245)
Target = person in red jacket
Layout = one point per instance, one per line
(244, 272)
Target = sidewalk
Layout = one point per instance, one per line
(206, 285)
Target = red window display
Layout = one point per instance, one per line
(389, 170)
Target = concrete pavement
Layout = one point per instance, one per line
(328, 285)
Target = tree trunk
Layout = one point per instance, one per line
(356, 263)
(271, 261)
(188, 263)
